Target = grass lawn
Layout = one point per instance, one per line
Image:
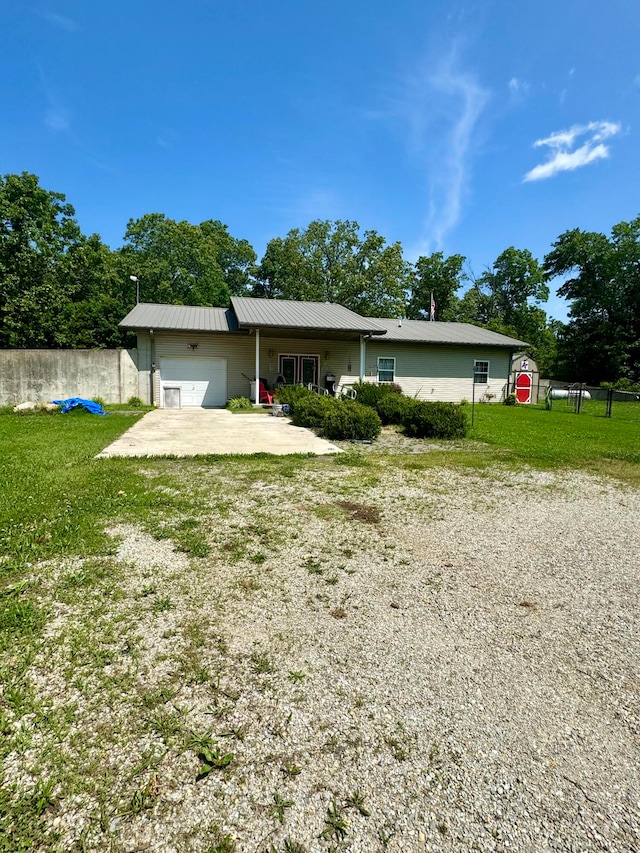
(54, 491)
(57, 563)
(536, 436)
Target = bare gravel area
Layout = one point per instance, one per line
(370, 657)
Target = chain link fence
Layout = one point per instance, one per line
(593, 400)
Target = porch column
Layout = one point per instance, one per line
(363, 355)
(257, 392)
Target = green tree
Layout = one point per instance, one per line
(184, 264)
(58, 288)
(94, 299)
(506, 299)
(440, 276)
(37, 227)
(601, 341)
(332, 262)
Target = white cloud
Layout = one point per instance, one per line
(167, 138)
(564, 157)
(517, 86)
(564, 161)
(441, 104)
(55, 120)
(61, 22)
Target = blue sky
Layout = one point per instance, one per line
(460, 127)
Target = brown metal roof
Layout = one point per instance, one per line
(288, 314)
(423, 331)
(179, 318)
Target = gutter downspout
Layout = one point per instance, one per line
(257, 385)
(152, 372)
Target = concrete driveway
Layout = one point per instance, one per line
(190, 432)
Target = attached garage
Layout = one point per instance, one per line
(193, 382)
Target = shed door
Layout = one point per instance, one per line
(202, 381)
(524, 382)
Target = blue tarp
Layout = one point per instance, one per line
(73, 402)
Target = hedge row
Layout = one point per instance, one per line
(291, 395)
(338, 419)
(375, 405)
(419, 419)
(433, 420)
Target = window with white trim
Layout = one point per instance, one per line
(386, 369)
(480, 372)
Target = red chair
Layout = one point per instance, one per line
(263, 395)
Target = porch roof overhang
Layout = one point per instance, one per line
(272, 317)
(283, 317)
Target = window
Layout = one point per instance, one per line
(386, 369)
(480, 372)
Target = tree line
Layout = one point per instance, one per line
(61, 288)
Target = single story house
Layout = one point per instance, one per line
(194, 356)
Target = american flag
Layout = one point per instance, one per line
(432, 315)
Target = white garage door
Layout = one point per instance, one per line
(202, 381)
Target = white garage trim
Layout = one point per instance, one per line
(202, 381)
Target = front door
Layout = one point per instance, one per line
(289, 369)
(301, 369)
(309, 369)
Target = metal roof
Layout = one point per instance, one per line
(179, 318)
(313, 316)
(288, 314)
(424, 331)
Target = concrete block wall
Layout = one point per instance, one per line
(42, 375)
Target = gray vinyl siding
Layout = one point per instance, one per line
(442, 373)
(423, 371)
(334, 356)
(236, 349)
(144, 368)
(239, 351)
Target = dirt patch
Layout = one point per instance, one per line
(360, 512)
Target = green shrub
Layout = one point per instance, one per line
(510, 400)
(434, 420)
(351, 420)
(370, 393)
(392, 408)
(99, 401)
(291, 395)
(311, 410)
(239, 404)
(135, 403)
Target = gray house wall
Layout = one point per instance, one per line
(239, 351)
(442, 372)
(424, 371)
(42, 375)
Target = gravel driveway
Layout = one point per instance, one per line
(397, 658)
